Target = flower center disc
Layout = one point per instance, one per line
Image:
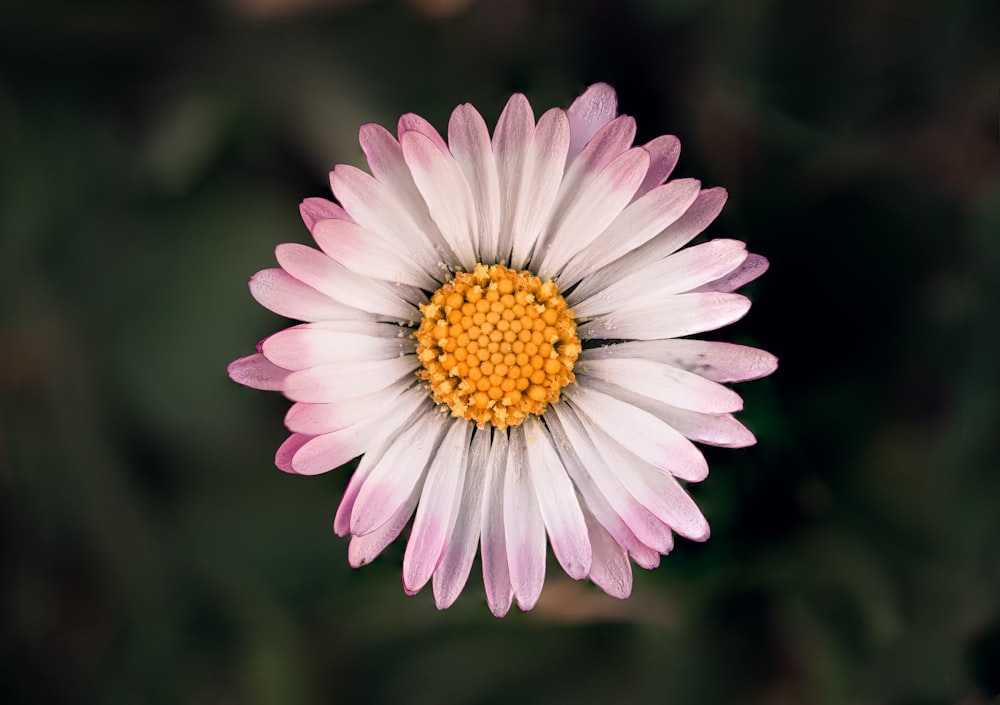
(497, 345)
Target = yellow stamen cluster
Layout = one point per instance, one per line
(497, 345)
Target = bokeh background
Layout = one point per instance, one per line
(153, 153)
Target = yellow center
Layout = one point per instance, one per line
(497, 345)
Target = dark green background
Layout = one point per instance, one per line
(153, 153)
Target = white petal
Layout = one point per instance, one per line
(511, 142)
(363, 252)
(696, 218)
(326, 384)
(543, 170)
(280, 292)
(719, 362)
(675, 274)
(641, 220)
(524, 527)
(309, 345)
(333, 279)
(375, 207)
(624, 517)
(557, 502)
(496, 573)
(641, 432)
(469, 139)
(596, 205)
(456, 563)
(315, 419)
(663, 383)
(393, 479)
(438, 507)
(658, 491)
(675, 316)
(447, 194)
(331, 450)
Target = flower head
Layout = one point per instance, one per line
(496, 325)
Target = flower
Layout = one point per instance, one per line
(497, 327)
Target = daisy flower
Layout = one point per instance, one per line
(497, 327)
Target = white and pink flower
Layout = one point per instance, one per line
(497, 326)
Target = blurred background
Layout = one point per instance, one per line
(153, 153)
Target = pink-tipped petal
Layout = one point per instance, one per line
(496, 572)
(610, 569)
(469, 139)
(597, 204)
(283, 456)
(596, 107)
(401, 469)
(363, 252)
(257, 372)
(326, 384)
(644, 434)
(751, 268)
(438, 507)
(411, 122)
(327, 276)
(311, 345)
(364, 549)
(280, 292)
(523, 525)
(446, 193)
(664, 383)
(717, 361)
(664, 151)
(557, 502)
(641, 220)
(540, 179)
(683, 314)
(314, 210)
(456, 563)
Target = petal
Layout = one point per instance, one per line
(596, 107)
(696, 218)
(719, 362)
(315, 419)
(365, 253)
(283, 457)
(675, 316)
(403, 220)
(342, 521)
(524, 527)
(258, 372)
(326, 384)
(331, 278)
(664, 151)
(511, 141)
(751, 268)
(543, 171)
(650, 438)
(411, 122)
(597, 204)
(331, 450)
(447, 194)
(664, 383)
(397, 473)
(469, 139)
(643, 219)
(621, 514)
(280, 292)
(364, 549)
(610, 569)
(456, 563)
(438, 507)
(496, 572)
(313, 210)
(677, 273)
(311, 345)
(557, 502)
